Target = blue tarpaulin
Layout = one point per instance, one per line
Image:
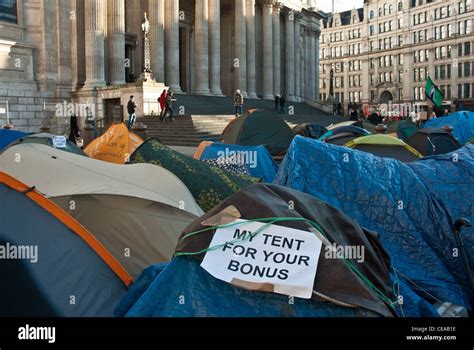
(462, 122)
(183, 289)
(9, 136)
(258, 160)
(391, 198)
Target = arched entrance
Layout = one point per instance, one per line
(386, 97)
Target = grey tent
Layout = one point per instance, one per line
(51, 265)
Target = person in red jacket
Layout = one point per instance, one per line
(162, 101)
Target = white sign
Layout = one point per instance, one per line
(278, 259)
(59, 141)
(3, 110)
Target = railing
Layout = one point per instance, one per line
(316, 104)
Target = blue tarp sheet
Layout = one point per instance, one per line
(391, 198)
(258, 160)
(462, 122)
(184, 289)
(8, 136)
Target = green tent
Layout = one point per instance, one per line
(208, 184)
(259, 128)
(47, 139)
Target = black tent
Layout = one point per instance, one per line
(259, 128)
(433, 141)
(314, 131)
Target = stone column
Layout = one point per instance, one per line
(240, 47)
(298, 50)
(316, 64)
(156, 14)
(215, 47)
(267, 7)
(116, 41)
(95, 43)
(172, 63)
(312, 62)
(201, 48)
(290, 55)
(276, 49)
(251, 62)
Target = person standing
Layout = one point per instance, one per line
(238, 103)
(169, 106)
(74, 129)
(282, 104)
(162, 101)
(131, 109)
(90, 119)
(277, 103)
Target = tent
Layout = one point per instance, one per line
(346, 123)
(405, 129)
(432, 141)
(136, 211)
(385, 146)
(259, 128)
(338, 291)
(343, 134)
(256, 159)
(208, 184)
(51, 265)
(389, 197)
(115, 145)
(314, 131)
(47, 139)
(8, 136)
(462, 123)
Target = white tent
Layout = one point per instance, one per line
(56, 173)
(136, 211)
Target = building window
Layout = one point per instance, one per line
(8, 11)
(467, 69)
(467, 48)
(467, 90)
(372, 29)
(400, 6)
(372, 15)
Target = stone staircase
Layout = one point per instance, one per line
(205, 118)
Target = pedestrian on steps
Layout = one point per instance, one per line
(238, 103)
(277, 103)
(162, 102)
(282, 105)
(131, 109)
(169, 106)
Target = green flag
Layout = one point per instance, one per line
(433, 93)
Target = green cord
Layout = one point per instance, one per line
(268, 222)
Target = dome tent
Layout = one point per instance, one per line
(69, 260)
(135, 209)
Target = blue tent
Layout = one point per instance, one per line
(388, 197)
(183, 289)
(449, 178)
(258, 160)
(462, 122)
(8, 136)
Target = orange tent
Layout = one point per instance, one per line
(115, 145)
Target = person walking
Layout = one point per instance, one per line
(238, 103)
(282, 104)
(162, 102)
(169, 106)
(131, 109)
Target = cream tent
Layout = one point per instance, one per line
(136, 211)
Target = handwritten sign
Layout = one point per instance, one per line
(59, 142)
(278, 259)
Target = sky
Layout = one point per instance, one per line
(341, 5)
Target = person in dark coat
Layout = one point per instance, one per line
(74, 129)
(131, 109)
(282, 104)
(169, 106)
(277, 102)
